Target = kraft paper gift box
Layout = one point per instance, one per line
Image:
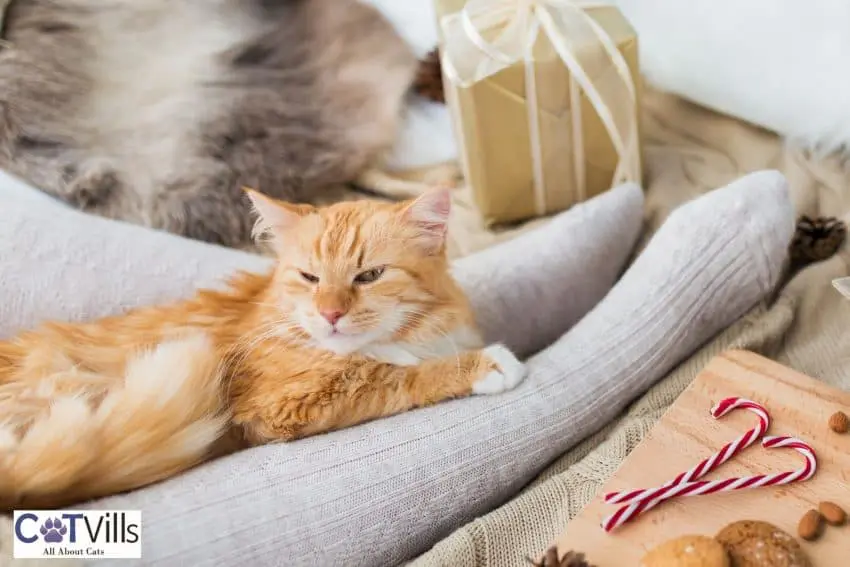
(544, 96)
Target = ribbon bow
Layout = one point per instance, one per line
(488, 36)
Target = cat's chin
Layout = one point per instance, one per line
(343, 344)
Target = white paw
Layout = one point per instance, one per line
(510, 372)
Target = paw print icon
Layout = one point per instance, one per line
(53, 530)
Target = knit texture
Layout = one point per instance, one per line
(369, 495)
(58, 263)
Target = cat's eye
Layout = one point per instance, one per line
(369, 275)
(309, 277)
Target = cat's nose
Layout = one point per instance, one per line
(332, 315)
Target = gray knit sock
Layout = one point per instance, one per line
(528, 291)
(712, 260)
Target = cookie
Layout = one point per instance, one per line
(751, 543)
(687, 551)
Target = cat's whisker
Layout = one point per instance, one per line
(426, 318)
(256, 337)
(264, 304)
(245, 348)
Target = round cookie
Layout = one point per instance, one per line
(687, 551)
(752, 543)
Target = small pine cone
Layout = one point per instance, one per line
(816, 239)
(429, 78)
(571, 559)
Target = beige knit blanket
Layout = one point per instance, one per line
(689, 150)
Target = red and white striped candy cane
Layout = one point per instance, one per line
(724, 454)
(626, 513)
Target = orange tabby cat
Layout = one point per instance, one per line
(359, 319)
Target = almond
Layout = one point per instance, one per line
(810, 525)
(832, 513)
(839, 422)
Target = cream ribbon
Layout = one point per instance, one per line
(487, 36)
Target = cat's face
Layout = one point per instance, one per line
(357, 273)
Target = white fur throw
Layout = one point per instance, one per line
(782, 65)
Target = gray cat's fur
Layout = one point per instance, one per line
(158, 111)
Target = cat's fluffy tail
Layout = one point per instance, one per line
(59, 446)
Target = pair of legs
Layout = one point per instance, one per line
(589, 348)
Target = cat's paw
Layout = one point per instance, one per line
(509, 371)
(90, 184)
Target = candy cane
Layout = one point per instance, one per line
(626, 513)
(724, 454)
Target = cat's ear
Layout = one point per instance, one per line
(429, 215)
(274, 217)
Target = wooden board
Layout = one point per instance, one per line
(686, 434)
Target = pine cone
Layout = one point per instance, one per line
(816, 239)
(429, 78)
(571, 559)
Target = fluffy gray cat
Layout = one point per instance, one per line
(157, 112)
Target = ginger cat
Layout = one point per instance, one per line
(359, 319)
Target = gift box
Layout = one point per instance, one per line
(544, 96)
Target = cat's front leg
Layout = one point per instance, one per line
(491, 370)
(507, 371)
(346, 391)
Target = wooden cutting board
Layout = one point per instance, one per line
(686, 434)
